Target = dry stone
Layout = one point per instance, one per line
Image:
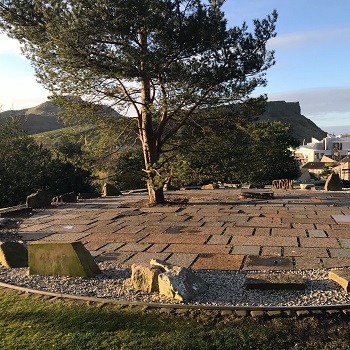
(70, 197)
(333, 183)
(39, 199)
(145, 277)
(181, 284)
(212, 186)
(259, 194)
(110, 190)
(342, 277)
(13, 254)
(62, 259)
(178, 282)
(308, 187)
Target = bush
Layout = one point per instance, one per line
(26, 166)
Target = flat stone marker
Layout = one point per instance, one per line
(259, 194)
(62, 259)
(342, 277)
(341, 219)
(13, 254)
(266, 281)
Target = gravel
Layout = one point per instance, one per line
(226, 288)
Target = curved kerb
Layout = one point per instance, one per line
(252, 311)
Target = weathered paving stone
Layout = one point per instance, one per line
(218, 262)
(275, 282)
(258, 194)
(254, 262)
(342, 277)
(246, 250)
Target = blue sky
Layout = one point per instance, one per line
(312, 59)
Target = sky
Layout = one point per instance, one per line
(312, 51)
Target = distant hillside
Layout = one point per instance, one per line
(37, 119)
(290, 113)
(43, 118)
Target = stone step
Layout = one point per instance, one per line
(14, 211)
(259, 194)
(265, 281)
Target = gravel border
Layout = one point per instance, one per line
(226, 288)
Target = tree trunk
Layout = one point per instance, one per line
(156, 195)
(147, 136)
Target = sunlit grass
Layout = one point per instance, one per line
(29, 323)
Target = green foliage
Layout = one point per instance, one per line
(233, 149)
(26, 166)
(128, 170)
(169, 61)
(325, 173)
(23, 165)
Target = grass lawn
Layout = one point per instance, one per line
(29, 323)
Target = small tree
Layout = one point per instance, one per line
(167, 59)
(23, 166)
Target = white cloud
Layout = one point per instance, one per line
(21, 92)
(9, 46)
(303, 38)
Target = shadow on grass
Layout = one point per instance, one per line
(28, 323)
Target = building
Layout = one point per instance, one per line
(343, 169)
(334, 147)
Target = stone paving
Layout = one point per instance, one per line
(206, 229)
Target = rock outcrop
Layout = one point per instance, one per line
(172, 281)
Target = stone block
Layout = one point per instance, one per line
(178, 282)
(212, 186)
(258, 194)
(265, 281)
(70, 197)
(342, 277)
(13, 254)
(39, 199)
(87, 195)
(15, 211)
(333, 183)
(62, 259)
(145, 277)
(307, 187)
(110, 190)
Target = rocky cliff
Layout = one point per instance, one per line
(290, 113)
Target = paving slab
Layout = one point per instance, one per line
(219, 239)
(145, 258)
(254, 262)
(198, 248)
(307, 228)
(245, 250)
(319, 242)
(302, 263)
(182, 259)
(342, 219)
(340, 253)
(218, 262)
(305, 252)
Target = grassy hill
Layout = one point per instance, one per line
(37, 119)
(42, 121)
